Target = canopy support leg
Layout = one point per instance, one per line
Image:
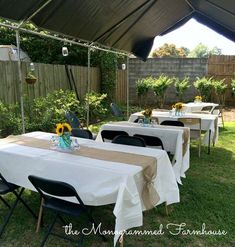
(21, 86)
(88, 84)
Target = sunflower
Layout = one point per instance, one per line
(67, 127)
(59, 129)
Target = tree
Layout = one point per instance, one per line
(202, 51)
(170, 50)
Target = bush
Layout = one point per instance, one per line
(204, 87)
(220, 90)
(181, 86)
(233, 87)
(97, 106)
(159, 87)
(10, 120)
(142, 88)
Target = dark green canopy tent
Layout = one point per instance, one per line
(128, 26)
(125, 25)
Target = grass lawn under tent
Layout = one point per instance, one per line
(207, 196)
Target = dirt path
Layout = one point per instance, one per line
(229, 115)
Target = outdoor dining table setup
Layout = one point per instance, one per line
(133, 178)
(209, 122)
(176, 140)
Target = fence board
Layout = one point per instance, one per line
(223, 67)
(50, 78)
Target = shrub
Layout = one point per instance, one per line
(204, 87)
(159, 87)
(181, 86)
(220, 90)
(142, 88)
(97, 106)
(10, 121)
(233, 87)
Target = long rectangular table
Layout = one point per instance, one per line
(209, 123)
(173, 139)
(98, 182)
(196, 107)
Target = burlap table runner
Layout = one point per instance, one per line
(149, 164)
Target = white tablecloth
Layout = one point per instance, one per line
(196, 107)
(98, 182)
(208, 122)
(172, 138)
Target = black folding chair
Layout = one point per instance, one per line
(172, 123)
(73, 120)
(153, 141)
(55, 189)
(82, 133)
(6, 188)
(111, 134)
(116, 111)
(129, 140)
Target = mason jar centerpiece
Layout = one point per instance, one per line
(178, 107)
(64, 133)
(147, 116)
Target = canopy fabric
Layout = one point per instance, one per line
(125, 25)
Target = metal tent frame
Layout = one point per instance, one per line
(65, 39)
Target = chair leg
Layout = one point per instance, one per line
(166, 209)
(121, 241)
(49, 231)
(5, 202)
(199, 148)
(91, 219)
(40, 216)
(7, 218)
(209, 143)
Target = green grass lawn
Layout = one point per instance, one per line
(206, 196)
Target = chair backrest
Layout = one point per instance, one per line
(53, 188)
(111, 134)
(129, 140)
(3, 180)
(217, 111)
(137, 119)
(73, 120)
(207, 108)
(152, 119)
(115, 110)
(151, 140)
(82, 133)
(172, 123)
(192, 123)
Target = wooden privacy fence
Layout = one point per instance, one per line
(223, 67)
(50, 78)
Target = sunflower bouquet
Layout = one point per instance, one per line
(178, 107)
(63, 130)
(198, 98)
(147, 113)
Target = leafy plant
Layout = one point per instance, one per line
(220, 90)
(142, 88)
(31, 75)
(181, 86)
(160, 86)
(204, 87)
(97, 106)
(108, 67)
(233, 87)
(10, 121)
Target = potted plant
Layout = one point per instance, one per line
(30, 78)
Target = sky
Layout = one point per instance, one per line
(191, 34)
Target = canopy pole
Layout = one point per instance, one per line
(88, 84)
(127, 87)
(21, 86)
